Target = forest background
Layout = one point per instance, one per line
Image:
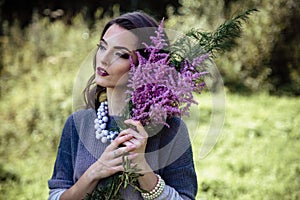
(43, 44)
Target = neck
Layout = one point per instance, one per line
(116, 98)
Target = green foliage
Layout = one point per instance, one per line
(111, 189)
(224, 38)
(249, 67)
(196, 42)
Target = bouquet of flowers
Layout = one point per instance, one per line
(157, 89)
(163, 84)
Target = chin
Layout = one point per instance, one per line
(110, 84)
(101, 82)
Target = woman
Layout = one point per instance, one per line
(83, 161)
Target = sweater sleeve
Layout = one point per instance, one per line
(62, 177)
(55, 194)
(177, 158)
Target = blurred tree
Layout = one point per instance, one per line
(267, 58)
(22, 11)
(285, 56)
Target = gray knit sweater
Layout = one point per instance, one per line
(168, 152)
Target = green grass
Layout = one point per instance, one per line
(256, 156)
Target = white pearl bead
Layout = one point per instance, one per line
(98, 136)
(103, 126)
(105, 119)
(104, 132)
(104, 140)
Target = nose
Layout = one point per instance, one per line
(103, 58)
(104, 62)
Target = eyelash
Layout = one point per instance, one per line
(121, 55)
(100, 46)
(124, 55)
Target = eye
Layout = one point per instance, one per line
(123, 55)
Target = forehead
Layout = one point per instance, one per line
(118, 36)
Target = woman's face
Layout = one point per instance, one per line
(112, 57)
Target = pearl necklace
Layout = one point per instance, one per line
(101, 124)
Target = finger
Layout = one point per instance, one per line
(137, 143)
(134, 133)
(118, 168)
(138, 125)
(123, 151)
(127, 143)
(116, 162)
(118, 141)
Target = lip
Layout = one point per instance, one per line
(101, 71)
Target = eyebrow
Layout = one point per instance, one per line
(117, 47)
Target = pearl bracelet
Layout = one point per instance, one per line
(158, 189)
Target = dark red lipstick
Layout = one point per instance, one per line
(101, 71)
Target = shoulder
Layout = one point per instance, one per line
(77, 119)
(83, 119)
(85, 113)
(80, 115)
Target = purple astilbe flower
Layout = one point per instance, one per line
(199, 60)
(157, 89)
(158, 43)
(194, 71)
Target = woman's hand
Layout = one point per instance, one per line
(149, 180)
(110, 161)
(139, 142)
(108, 164)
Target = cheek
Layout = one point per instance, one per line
(121, 78)
(123, 69)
